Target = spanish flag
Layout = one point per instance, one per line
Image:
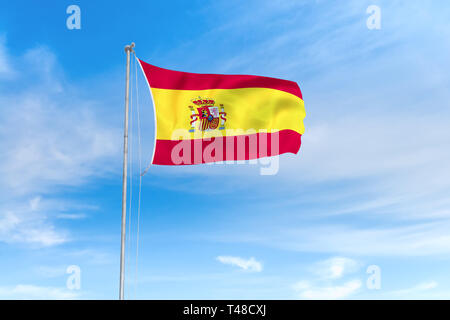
(203, 118)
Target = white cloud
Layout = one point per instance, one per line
(51, 271)
(23, 291)
(411, 240)
(27, 228)
(92, 256)
(246, 264)
(307, 291)
(39, 236)
(51, 138)
(53, 146)
(326, 272)
(410, 293)
(71, 216)
(422, 239)
(335, 268)
(8, 221)
(426, 285)
(425, 290)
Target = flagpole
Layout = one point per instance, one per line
(128, 50)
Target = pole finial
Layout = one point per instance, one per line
(129, 47)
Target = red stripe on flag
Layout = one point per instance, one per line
(170, 79)
(256, 145)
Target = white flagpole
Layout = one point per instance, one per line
(128, 50)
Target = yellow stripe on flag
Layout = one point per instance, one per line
(246, 109)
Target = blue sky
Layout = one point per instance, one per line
(369, 187)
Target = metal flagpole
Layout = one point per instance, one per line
(128, 50)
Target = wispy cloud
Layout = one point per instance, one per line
(251, 264)
(422, 239)
(424, 290)
(91, 255)
(52, 136)
(71, 216)
(27, 226)
(335, 268)
(420, 288)
(51, 271)
(25, 291)
(53, 139)
(324, 275)
(305, 290)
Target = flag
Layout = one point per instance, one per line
(201, 118)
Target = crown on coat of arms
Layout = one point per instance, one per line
(203, 102)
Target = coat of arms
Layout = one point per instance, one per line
(206, 115)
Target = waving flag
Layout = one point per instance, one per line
(204, 118)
